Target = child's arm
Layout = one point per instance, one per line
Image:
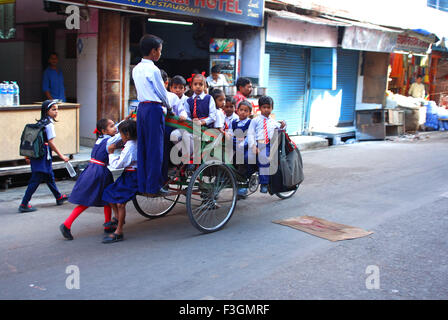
(251, 140)
(55, 149)
(119, 161)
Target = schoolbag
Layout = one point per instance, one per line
(32, 140)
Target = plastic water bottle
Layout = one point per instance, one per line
(70, 169)
(16, 94)
(8, 96)
(2, 94)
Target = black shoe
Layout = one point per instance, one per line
(66, 232)
(27, 208)
(61, 200)
(264, 188)
(113, 238)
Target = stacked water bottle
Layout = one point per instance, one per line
(9, 93)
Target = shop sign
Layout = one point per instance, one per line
(359, 38)
(411, 44)
(248, 12)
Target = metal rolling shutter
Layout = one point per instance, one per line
(347, 76)
(287, 84)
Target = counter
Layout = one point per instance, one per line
(14, 119)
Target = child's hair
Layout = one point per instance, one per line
(230, 99)
(199, 75)
(178, 80)
(245, 103)
(266, 100)
(129, 127)
(100, 126)
(241, 82)
(164, 75)
(216, 93)
(46, 105)
(149, 42)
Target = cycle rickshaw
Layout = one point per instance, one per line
(210, 190)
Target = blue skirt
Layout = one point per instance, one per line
(89, 188)
(122, 190)
(43, 164)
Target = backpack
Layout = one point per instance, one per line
(32, 140)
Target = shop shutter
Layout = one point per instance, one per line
(323, 68)
(347, 76)
(287, 83)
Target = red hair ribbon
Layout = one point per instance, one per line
(193, 75)
(96, 131)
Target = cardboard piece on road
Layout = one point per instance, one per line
(323, 228)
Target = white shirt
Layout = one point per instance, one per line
(229, 119)
(49, 130)
(211, 107)
(256, 130)
(149, 83)
(417, 90)
(177, 105)
(222, 81)
(220, 119)
(127, 157)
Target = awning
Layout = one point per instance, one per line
(303, 18)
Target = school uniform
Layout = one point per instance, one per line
(89, 188)
(126, 186)
(220, 119)
(201, 107)
(260, 132)
(152, 95)
(42, 168)
(228, 120)
(239, 130)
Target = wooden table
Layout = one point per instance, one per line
(14, 119)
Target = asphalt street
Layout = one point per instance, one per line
(397, 189)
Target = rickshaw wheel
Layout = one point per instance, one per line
(287, 194)
(156, 207)
(253, 183)
(211, 197)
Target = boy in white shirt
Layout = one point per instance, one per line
(152, 95)
(261, 131)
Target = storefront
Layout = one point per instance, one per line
(111, 29)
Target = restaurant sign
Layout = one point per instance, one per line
(248, 12)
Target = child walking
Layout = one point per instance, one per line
(89, 188)
(126, 186)
(152, 95)
(41, 168)
(260, 132)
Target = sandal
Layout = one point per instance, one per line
(113, 237)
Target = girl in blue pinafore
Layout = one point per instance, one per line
(240, 143)
(126, 186)
(41, 168)
(89, 188)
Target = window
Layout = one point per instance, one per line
(438, 4)
(7, 19)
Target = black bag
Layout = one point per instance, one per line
(289, 173)
(32, 141)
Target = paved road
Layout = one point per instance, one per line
(398, 190)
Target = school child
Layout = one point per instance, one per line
(152, 95)
(177, 86)
(239, 130)
(89, 188)
(220, 100)
(229, 112)
(260, 132)
(200, 108)
(126, 186)
(41, 169)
